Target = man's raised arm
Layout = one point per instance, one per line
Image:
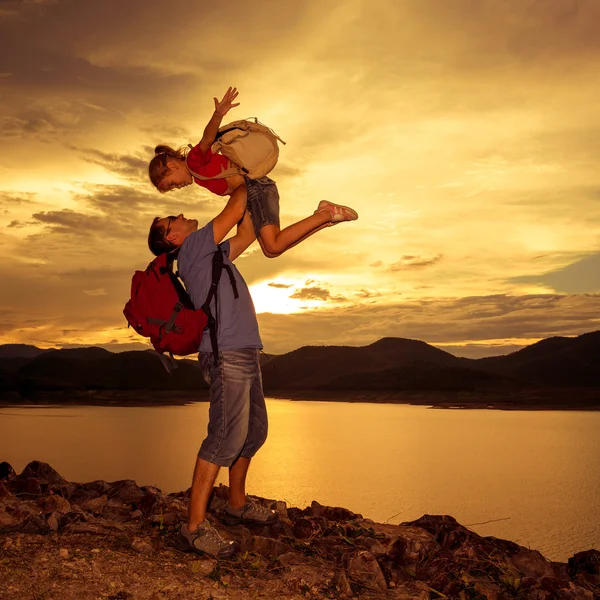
(243, 238)
(233, 212)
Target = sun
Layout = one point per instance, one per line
(274, 297)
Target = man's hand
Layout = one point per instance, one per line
(226, 104)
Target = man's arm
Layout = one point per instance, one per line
(233, 212)
(243, 238)
(221, 109)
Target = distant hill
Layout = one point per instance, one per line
(19, 351)
(390, 365)
(553, 362)
(96, 368)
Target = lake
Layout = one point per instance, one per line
(529, 476)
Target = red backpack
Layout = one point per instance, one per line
(161, 309)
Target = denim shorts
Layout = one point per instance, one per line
(237, 424)
(263, 202)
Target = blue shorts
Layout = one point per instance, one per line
(237, 417)
(263, 202)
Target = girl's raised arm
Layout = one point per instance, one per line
(221, 109)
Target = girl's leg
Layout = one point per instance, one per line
(275, 241)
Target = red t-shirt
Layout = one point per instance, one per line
(209, 165)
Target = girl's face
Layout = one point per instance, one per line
(177, 177)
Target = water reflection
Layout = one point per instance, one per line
(533, 477)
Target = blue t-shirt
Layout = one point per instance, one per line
(237, 326)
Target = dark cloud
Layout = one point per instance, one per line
(446, 320)
(127, 166)
(409, 262)
(11, 199)
(316, 293)
(367, 294)
(582, 276)
(280, 285)
(67, 221)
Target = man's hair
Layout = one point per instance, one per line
(157, 242)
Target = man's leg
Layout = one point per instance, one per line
(203, 481)
(239, 509)
(237, 482)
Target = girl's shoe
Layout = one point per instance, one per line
(338, 212)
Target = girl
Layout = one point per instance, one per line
(168, 171)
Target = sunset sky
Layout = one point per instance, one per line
(466, 133)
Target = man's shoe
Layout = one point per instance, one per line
(251, 512)
(338, 212)
(206, 540)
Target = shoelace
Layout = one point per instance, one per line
(259, 509)
(213, 535)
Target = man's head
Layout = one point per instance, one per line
(168, 233)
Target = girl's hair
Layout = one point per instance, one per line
(158, 168)
(157, 242)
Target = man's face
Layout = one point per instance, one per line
(177, 177)
(178, 228)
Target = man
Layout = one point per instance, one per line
(237, 425)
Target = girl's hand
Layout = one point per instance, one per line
(223, 107)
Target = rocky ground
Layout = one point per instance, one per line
(117, 541)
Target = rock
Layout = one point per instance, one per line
(203, 567)
(34, 524)
(140, 545)
(136, 514)
(266, 546)
(25, 486)
(63, 553)
(281, 508)
(407, 545)
(53, 521)
(4, 493)
(364, 570)
(305, 575)
(54, 504)
(82, 496)
(43, 471)
(416, 590)
(333, 513)
(531, 563)
(7, 473)
(306, 528)
(584, 567)
(343, 585)
(96, 504)
(116, 511)
(7, 520)
(125, 491)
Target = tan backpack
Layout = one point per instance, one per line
(249, 145)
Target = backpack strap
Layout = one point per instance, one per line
(217, 267)
(224, 172)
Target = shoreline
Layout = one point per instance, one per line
(568, 399)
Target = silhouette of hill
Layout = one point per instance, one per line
(556, 361)
(19, 351)
(388, 365)
(316, 367)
